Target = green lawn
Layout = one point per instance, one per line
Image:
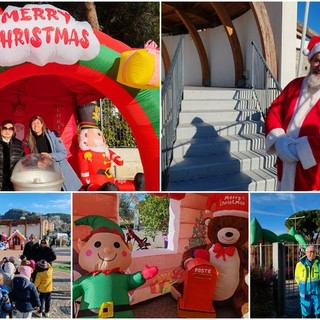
(65, 267)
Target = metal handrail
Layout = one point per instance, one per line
(264, 84)
(171, 96)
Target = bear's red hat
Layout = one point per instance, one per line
(313, 47)
(228, 204)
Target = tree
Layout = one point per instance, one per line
(114, 127)
(91, 13)
(125, 209)
(199, 233)
(154, 215)
(308, 227)
(133, 23)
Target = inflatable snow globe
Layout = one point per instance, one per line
(37, 172)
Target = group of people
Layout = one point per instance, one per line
(27, 283)
(39, 140)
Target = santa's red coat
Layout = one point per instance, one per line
(287, 115)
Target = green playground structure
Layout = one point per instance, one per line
(260, 235)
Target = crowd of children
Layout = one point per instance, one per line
(25, 286)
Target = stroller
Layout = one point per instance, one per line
(142, 243)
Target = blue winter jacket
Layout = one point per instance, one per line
(59, 154)
(24, 294)
(5, 304)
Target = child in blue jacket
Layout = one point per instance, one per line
(5, 304)
(25, 294)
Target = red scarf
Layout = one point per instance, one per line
(223, 251)
(106, 272)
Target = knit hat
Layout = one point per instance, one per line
(313, 47)
(26, 271)
(23, 257)
(12, 259)
(228, 204)
(32, 264)
(100, 224)
(9, 268)
(42, 264)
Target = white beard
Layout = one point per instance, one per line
(313, 81)
(98, 147)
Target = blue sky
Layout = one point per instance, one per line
(36, 202)
(313, 16)
(272, 209)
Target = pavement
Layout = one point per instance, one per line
(61, 295)
(166, 307)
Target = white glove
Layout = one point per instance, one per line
(292, 145)
(283, 151)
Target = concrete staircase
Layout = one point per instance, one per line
(220, 143)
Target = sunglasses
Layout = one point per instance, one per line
(7, 128)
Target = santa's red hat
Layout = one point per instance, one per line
(228, 204)
(313, 47)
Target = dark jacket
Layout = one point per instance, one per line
(30, 250)
(10, 154)
(45, 253)
(25, 294)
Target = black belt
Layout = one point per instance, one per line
(94, 312)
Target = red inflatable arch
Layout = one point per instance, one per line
(53, 91)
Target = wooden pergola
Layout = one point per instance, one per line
(189, 17)
(14, 223)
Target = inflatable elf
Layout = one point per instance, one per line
(105, 255)
(94, 156)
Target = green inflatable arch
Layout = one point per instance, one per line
(260, 235)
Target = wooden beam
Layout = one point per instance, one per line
(266, 35)
(232, 37)
(206, 78)
(165, 58)
(310, 32)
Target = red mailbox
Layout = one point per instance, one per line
(199, 284)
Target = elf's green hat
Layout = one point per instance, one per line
(100, 224)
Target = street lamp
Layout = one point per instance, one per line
(295, 221)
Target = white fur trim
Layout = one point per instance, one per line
(305, 51)
(85, 174)
(271, 139)
(305, 103)
(233, 213)
(288, 176)
(305, 153)
(315, 49)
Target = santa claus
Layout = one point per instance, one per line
(293, 130)
(94, 157)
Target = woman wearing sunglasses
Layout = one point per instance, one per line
(11, 151)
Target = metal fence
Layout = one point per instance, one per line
(115, 128)
(171, 96)
(263, 82)
(281, 258)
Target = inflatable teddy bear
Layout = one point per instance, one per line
(227, 231)
(106, 255)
